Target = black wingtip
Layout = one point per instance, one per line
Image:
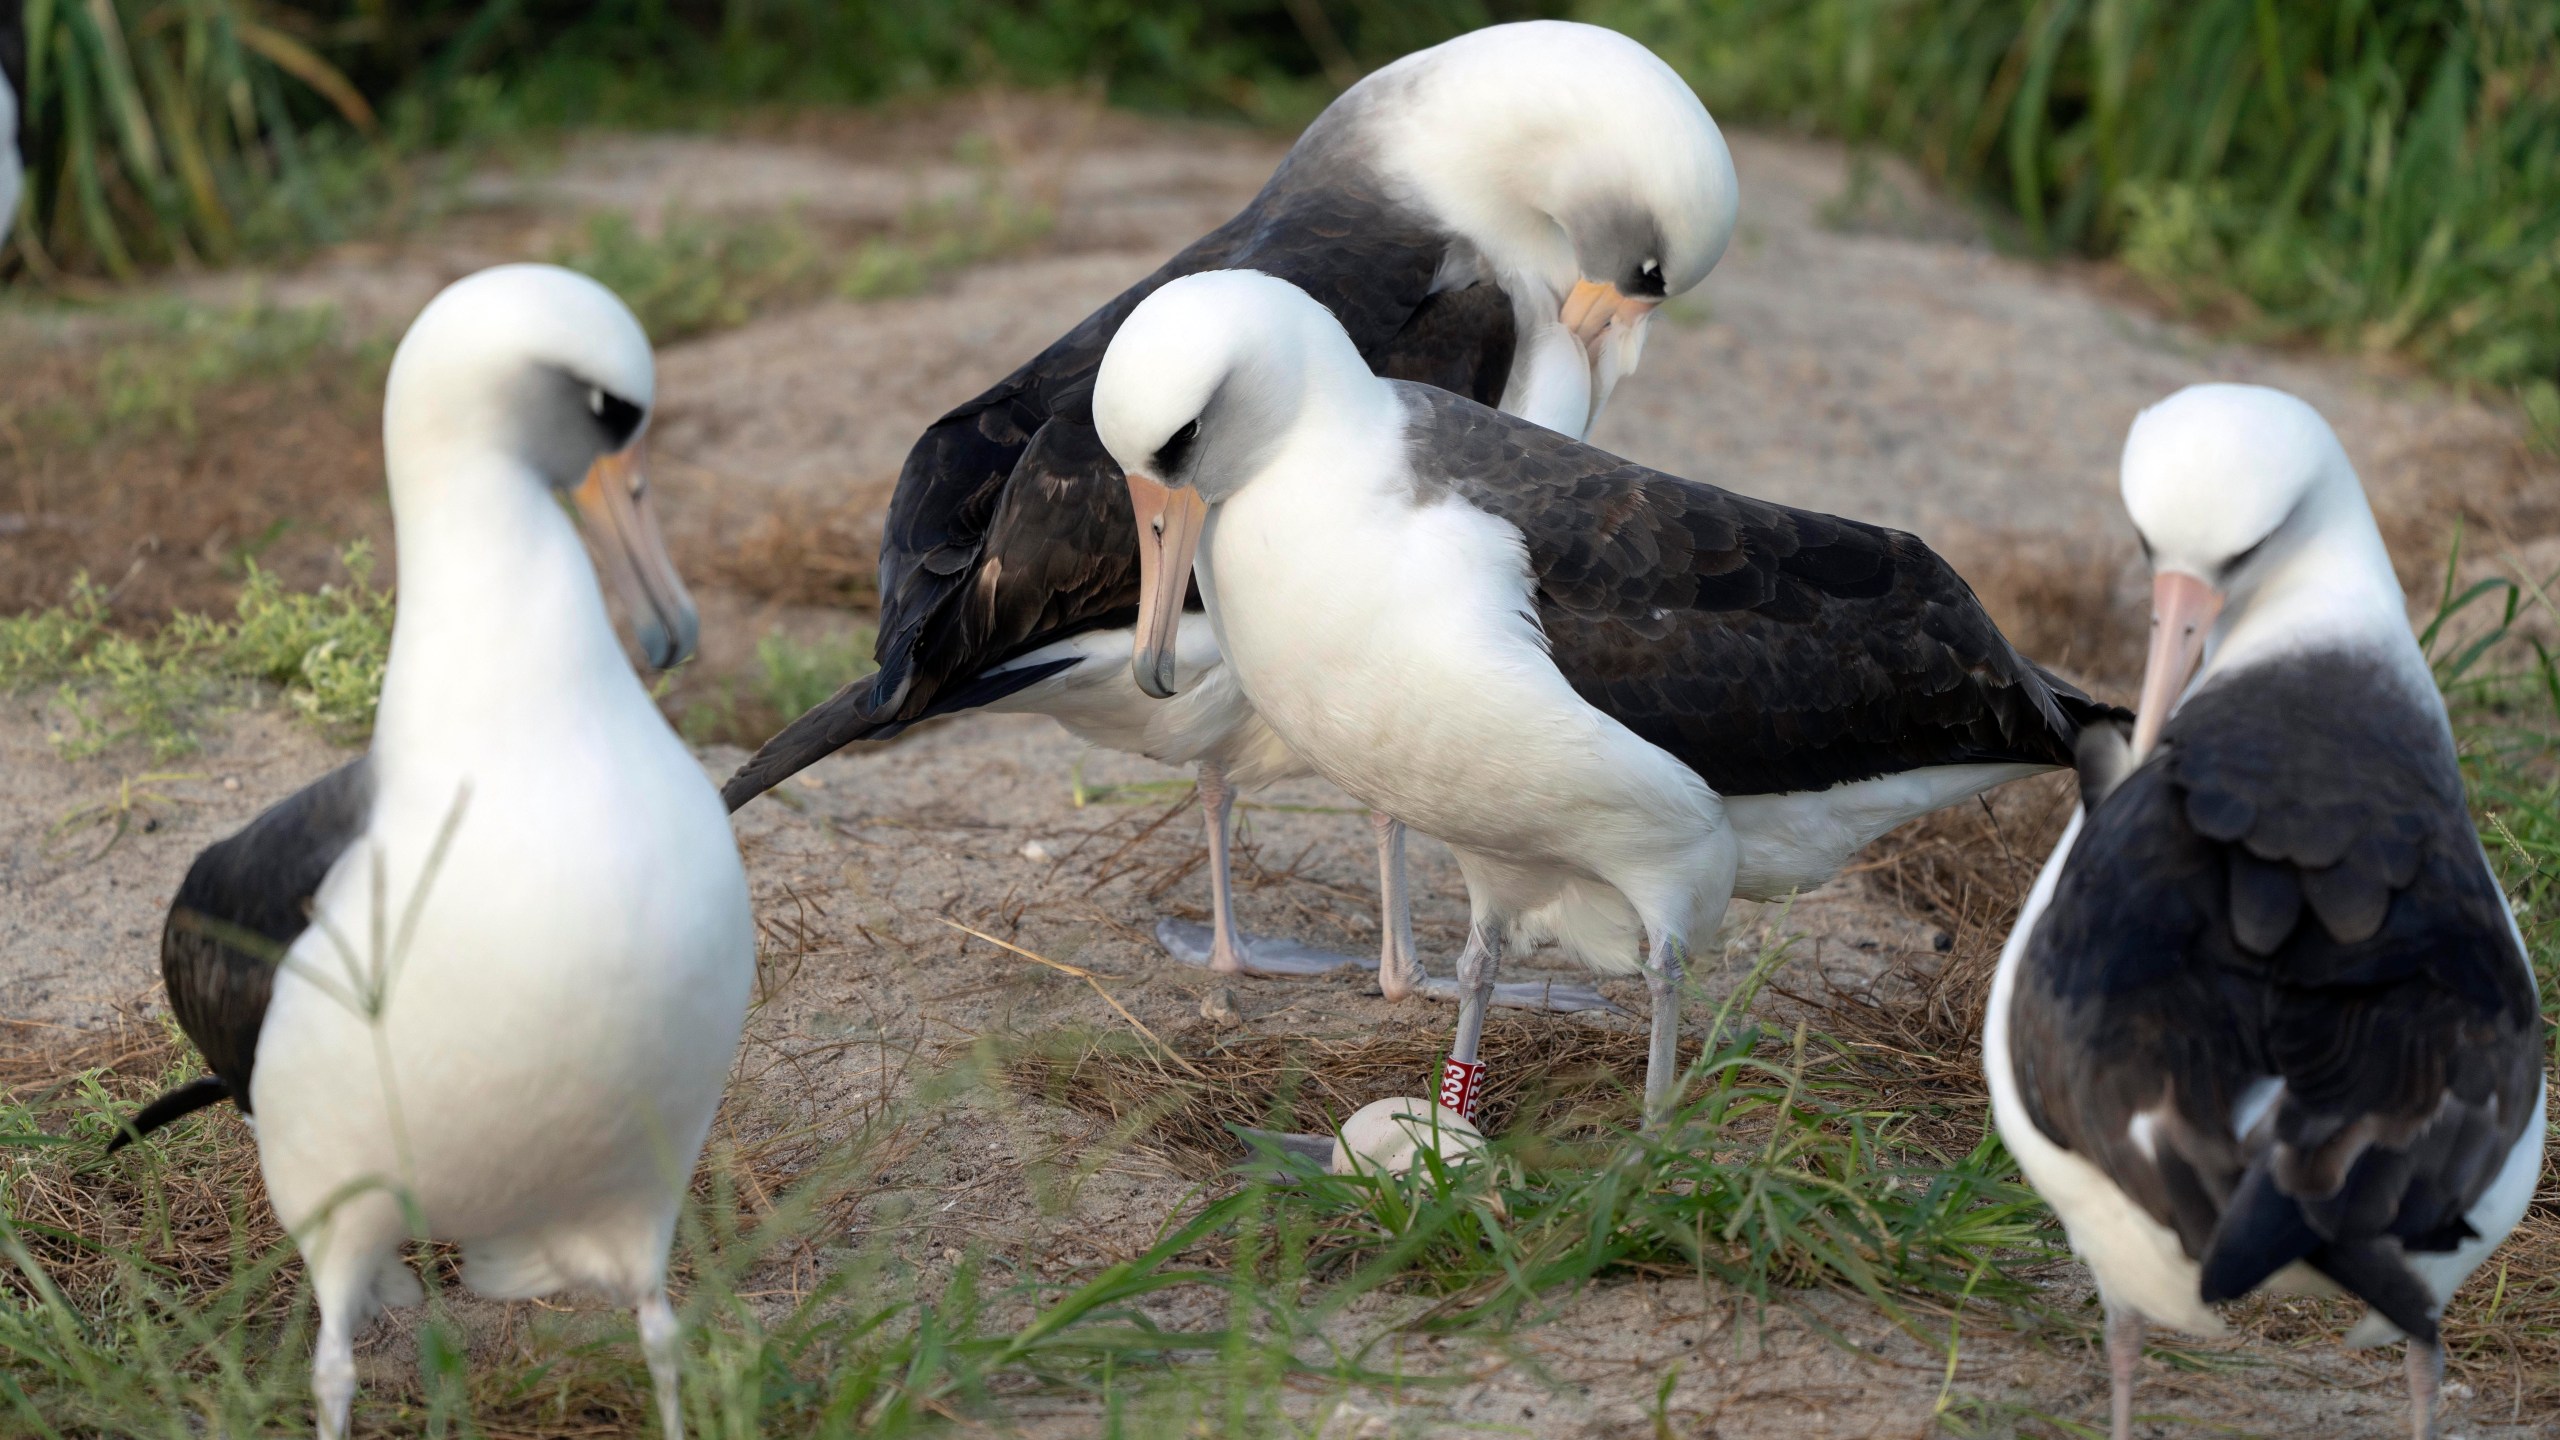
(178, 1104)
(2103, 756)
(2375, 1272)
(828, 726)
(2262, 1230)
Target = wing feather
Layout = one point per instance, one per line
(1771, 649)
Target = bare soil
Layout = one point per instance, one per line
(1863, 349)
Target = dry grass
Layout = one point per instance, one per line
(193, 1211)
(1549, 1078)
(1917, 1028)
(2075, 606)
(284, 468)
(802, 551)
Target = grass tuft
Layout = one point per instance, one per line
(324, 651)
(698, 274)
(2383, 177)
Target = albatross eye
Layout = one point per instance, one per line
(1169, 456)
(619, 417)
(1649, 278)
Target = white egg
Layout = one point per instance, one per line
(1383, 1137)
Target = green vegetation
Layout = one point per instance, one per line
(179, 132)
(2386, 177)
(698, 274)
(792, 676)
(2502, 684)
(789, 676)
(324, 651)
(152, 382)
(2383, 177)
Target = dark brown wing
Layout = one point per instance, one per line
(1010, 527)
(243, 904)
(1772, 649)
(2288, 891)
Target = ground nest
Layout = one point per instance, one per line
(1547, 1075)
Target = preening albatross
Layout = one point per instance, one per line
(1621, 697)
(2266, 1018)
(1497, 216)
(498, 964)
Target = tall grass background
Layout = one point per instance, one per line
(2377, 176)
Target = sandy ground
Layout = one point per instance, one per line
(1862, 349)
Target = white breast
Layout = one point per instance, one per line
(1393, 646)
(556, 1033)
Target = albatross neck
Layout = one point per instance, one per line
(501, 624)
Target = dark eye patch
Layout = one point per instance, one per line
(1170, 455)
(1649, 280)
(619, 417)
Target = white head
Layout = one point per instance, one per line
(547, 373)
(1570, 157)
(2228, 484)
(1202, 384)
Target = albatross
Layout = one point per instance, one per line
(1621, 697)
(1498, 216)
(495, 968)
(2266, 1018)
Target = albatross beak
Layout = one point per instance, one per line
(614, 501)
(1593, 307)
(1169, 523)
(2182, 612)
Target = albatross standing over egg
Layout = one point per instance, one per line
(2266, 1017)
(498, 965)
(1620, 697)
(1498, 216)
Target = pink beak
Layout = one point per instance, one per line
(2182, 614)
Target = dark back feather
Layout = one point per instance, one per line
(1772, 649)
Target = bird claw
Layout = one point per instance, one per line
(1269, 956)
(1560, 997)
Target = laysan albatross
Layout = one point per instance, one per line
(2266, 1017)
(1497, 216)
(1619, 696)
(498, 965)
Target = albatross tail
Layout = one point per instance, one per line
(846, 716)
(177, 1105)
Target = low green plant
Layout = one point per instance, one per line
(942, 237)
(2501, 682)
(794, 675)
(696, 274)
(323, 651)
(152, 383)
